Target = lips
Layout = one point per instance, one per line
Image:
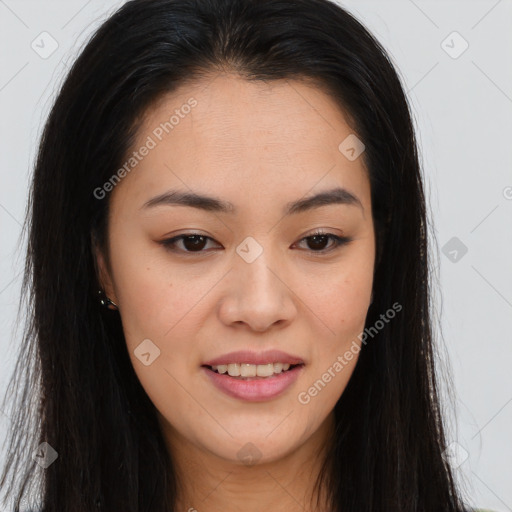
(250, 357)
(254, 389)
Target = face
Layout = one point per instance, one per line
(242, 271)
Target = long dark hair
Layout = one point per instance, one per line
(74, 384)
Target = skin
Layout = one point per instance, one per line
(259, 146)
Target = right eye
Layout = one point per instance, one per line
(192, 243)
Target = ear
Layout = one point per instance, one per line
(103, 274)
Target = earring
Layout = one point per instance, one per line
(106, 302)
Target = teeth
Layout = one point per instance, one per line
(251, 370)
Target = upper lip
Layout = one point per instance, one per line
(250, 357)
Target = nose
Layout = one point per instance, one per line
(258, 295)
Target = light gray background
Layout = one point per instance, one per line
(463, 112)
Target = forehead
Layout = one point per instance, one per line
(230, 112)
(226, 133)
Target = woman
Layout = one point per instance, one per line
(229, 274)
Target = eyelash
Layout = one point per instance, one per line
(340, 241)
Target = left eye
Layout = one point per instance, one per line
(194, 243)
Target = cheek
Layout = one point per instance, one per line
(342, 308)
(159, 317)
(343, 314)
(339, 303)
(340, 298)
(153, 294)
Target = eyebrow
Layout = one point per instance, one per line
(336, 195)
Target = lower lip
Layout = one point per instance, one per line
(254, 389)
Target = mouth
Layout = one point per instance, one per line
(241, 371)
(252, 388)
